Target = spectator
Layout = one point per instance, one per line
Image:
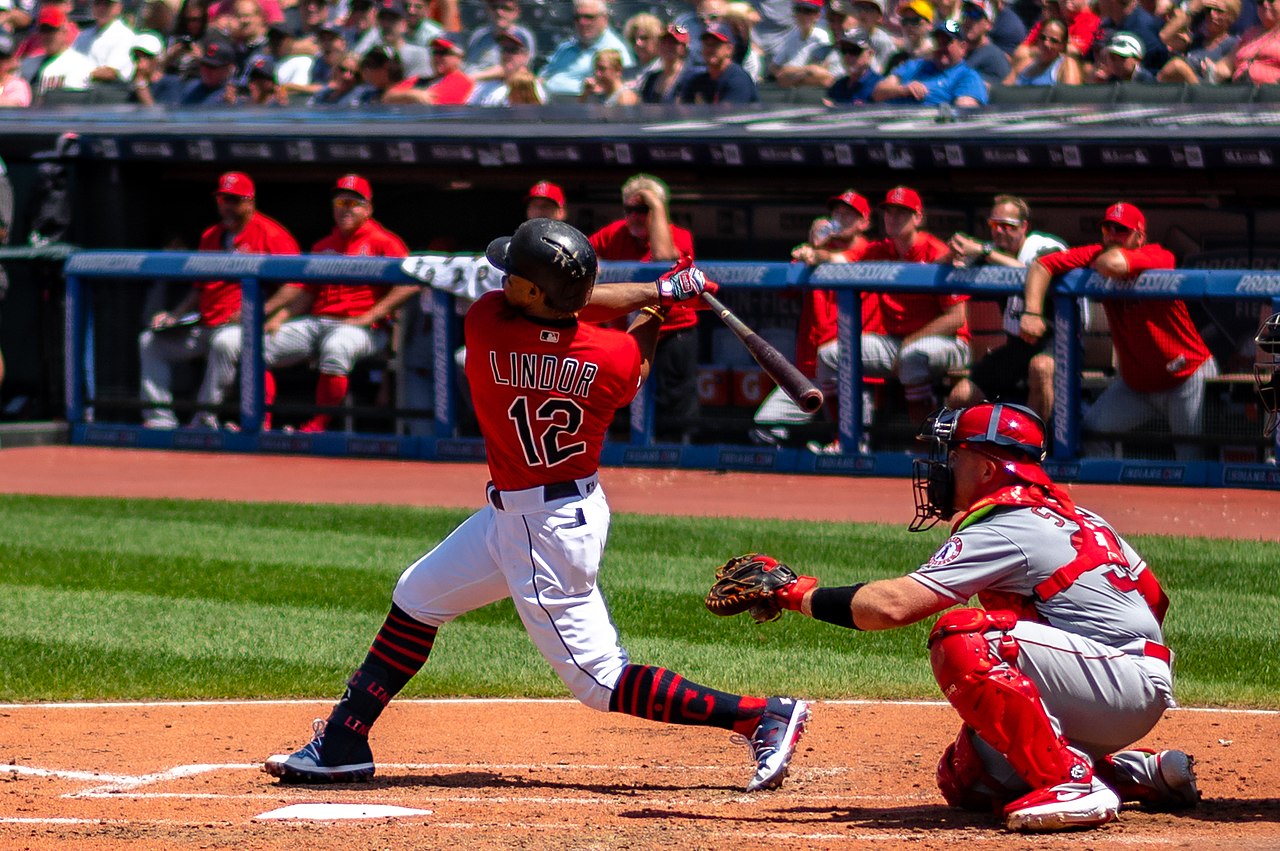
(1161, 359)
(989, 61)
(33, 44)
(916, 17)
(483, 60)
(380, 70)
(695, 23)
(791, 59)
(216, 68)
(260, 87)
(1128, 16)
(446, 14)
(515, 64)
(741, 17)
(342, 82)
(312, 18)
(1256, 59)
(925, 336)
(14, 91)
(545, 201)
(148, 83)
(332, 50)
(361, 25)
(446, 86)
(723, 80)
(60, 66)
(421, 28)
(157, 16)
(524, 89)
(572, 63)
(1082, 31)
(773, 19)
(337, 324)
(817, 344)
(250, 33)
(642, 31)
(645, 234)
(664, 84)
(605, 85)
(391, 29)
(293, 68)
(182, 56)
(941, 79)
(1197, 42)
(869, 15)
(1018, 370)
(107, 43)
(860, 79)
(207, 321)
(16, 16)
(1007, 30)
(1049, 63)
(1121, 62)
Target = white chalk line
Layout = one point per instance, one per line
(327, 702)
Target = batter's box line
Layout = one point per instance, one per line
(116, 784)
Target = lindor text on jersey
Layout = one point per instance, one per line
(546, 372)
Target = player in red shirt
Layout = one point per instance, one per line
(645, 234)
(1162, 360)
(337, 324)
(924, 336)
(447, 85)
(216, 334)
(817, 347)
(546, 387)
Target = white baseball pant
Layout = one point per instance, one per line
(159, 350)
(337, 345)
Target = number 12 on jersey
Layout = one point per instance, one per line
(540, 433)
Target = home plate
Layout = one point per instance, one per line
(331, 812)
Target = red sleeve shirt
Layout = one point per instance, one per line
(902, 314)
(544, 392)
(369, 240)
(1157, 345)
(220, 300)
(615, 242)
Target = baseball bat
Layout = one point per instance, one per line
(784, 373)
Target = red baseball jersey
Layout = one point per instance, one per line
(615, 242)
(902, 314)
(544, 391)
(369, 240)
(1157, 345)
(220, 300)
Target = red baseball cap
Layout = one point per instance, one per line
(852, 199)
(677, 33)
(901, 196)
(235, 183)
(354, 183)
(52, 16)
(1126, 215)
(443, 45)
(548, 190)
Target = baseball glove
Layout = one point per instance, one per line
(747, 584)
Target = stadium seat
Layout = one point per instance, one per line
(772, 93)
(1089, 93)
(1153, 93)
(1226, 93)
(1019, 95)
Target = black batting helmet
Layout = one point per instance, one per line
(553, 255)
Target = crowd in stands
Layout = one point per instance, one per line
(841, 52)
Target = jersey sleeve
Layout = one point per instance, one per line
(1149, 257)
(979, 558)
(1058, 262)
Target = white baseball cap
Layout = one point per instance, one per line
(1126, 44)
(148, 43)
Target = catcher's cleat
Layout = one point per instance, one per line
(1173, 779)
(773, 743)
(318, 763)
(1074, 804)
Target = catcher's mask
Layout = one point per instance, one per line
(1011, 435)
(1266, 368)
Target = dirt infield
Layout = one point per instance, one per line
(552, 774)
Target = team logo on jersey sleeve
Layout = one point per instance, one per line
(549, 336)
(947, 553)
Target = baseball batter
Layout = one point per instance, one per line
(1063, 667)
(545, 387)
(1163, 362)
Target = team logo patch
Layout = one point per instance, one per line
(549, 336)
(947, 553)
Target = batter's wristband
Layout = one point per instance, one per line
(835, 605)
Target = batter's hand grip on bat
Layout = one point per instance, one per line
(783, 372)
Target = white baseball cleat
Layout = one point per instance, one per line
(1086, 803)
(773, 743)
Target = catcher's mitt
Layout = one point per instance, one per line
(747, 584)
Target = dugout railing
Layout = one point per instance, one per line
(89, 272)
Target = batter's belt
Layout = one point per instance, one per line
(537, 498)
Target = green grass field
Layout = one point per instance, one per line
(133, 599)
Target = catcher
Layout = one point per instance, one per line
(1063, 667)
(1266, 370)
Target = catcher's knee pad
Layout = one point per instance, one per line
(997, 700)
(964, 780)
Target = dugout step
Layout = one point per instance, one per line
(16, 435)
